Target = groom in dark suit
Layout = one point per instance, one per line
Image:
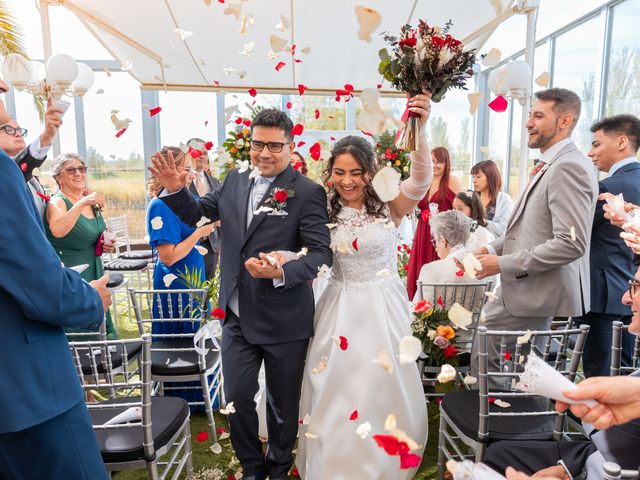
(269, 309)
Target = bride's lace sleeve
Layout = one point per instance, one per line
(415, 187)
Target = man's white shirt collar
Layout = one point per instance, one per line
(547, 156)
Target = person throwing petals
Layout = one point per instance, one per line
(353, 378)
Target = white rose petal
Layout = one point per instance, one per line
(229, 409)
(368, 19)
(216, 448)
(201, 250)
(363, 430)
(384, 361)
(156, 223)
(470, 380)
(391, 422)
(35, 172)
(491, 297)
(386, 184)
(306, 419)
(447, 373)
(310, 435)
(182, 34)
(492, 58)
(224, 436)
(522, 339)
(242, 166)
(284, 23)
(331, 225)
(203, 221)
(409, 350)
(471, 265)
(543, 79)
(501, 403)
(168, 279)
(572, 232)
(460, 316)
(302, 252)
(474, 101)
(323, 271)
(277, 44)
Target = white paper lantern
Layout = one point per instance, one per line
(84, 80)
(62, 70)
(518, 75)
(37, 72)
(496, 81)
(17, 70)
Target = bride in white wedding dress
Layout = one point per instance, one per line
(363, 311)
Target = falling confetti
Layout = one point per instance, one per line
(368, 19)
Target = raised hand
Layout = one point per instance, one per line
(166, 172)
(52, 122)
(101, 287)
(421, 104)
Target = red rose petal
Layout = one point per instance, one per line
(289, 105)
(492, 399)
(348, 87)
(220, 430)
(354, 415)
(279, 66)
(202, 436)
(297, 165)
(460, 273)
(499, 104)
(344, 344)
(119, 134)
(367, 133)
(295, 473)
(218, 313)
(391, 444)
(300, 143)
(507, 356)
(298, 128)
(293, 49)
(206, 122)
(314, 151)
(154, 111)
(216, 83)
(238, 121)
(317, 114)
(302, 88)
(253, 92)
(333, 139)
(355, 244)
(23, 167)
(297, 60)
(409, 460)
(379, 86)
(247, 123)
(440, 302)
(208, 145)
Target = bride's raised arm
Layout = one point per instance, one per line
(414, 188)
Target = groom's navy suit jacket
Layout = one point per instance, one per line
(267, 314)
(38, 379)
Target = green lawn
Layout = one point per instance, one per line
(204, 459)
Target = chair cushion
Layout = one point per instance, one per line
(133, 349)
(136, 254)
(125, 265)
(115, 280)
(462, 407)
(180, 362)
(125, 444)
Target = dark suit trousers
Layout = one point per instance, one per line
(284, 366)
(532, 456)
(596, 359)
(64, 447)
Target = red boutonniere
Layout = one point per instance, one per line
(278, 200)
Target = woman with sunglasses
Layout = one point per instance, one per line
(74, 224)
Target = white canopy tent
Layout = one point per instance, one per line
(142, 35)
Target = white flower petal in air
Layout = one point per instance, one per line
(216, 448)
(228, 70)
(363, 430)
(234, 9)
(409, 349)
(491, 297)
(460, 316)
(168, 279)
(471, 265)
(201, 250)
(310, 435)
(35, 172)
(474, 101)
(277, 44)
(306, 50)
(224, 436)
(247, 51)
(229, 409)
(384, 361)
(368, 19)
(331, 225)
(246, 22)
(492, 58)
(543, 79)
(391, 422)
(572, 232)
(264, 209)
(447, 373)
(242, 166)
(273, 55)
(306, 419)
(182, 34)
(386, 183)
(283, 24)
(255, 172)
(323, 271)
(470, 380)
(302, 252)
(156, 223)
(203, 221)
(522, 339)
(501, 403)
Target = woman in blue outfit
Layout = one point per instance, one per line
(177, 255)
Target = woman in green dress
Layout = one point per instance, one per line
(74, 222)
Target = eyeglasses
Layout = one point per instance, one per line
(9, 130)
(73, 170)
(274, 147)
(633, 287)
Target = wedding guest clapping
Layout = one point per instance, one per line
(74, 224)
(468, 203)
(439, 198)
(487, 182)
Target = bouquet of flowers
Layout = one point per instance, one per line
(404, 251)
(388, 154)
(432, 326)
(238, 144)
(424, 58)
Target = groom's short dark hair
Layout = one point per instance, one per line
(272, 117)
(564, 101)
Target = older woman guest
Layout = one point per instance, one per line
(444, 187)
(487, 182)
(175, 244)
(468, 203)
(74, 224)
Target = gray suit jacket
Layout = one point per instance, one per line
(544, 272)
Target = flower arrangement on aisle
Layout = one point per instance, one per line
(404, 251)
(424, 58)
(433, 327)
(389, 155)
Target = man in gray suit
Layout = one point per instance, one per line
(543, 258)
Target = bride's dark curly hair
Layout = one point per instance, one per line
(361, 150)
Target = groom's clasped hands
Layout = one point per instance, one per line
(267, 265)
